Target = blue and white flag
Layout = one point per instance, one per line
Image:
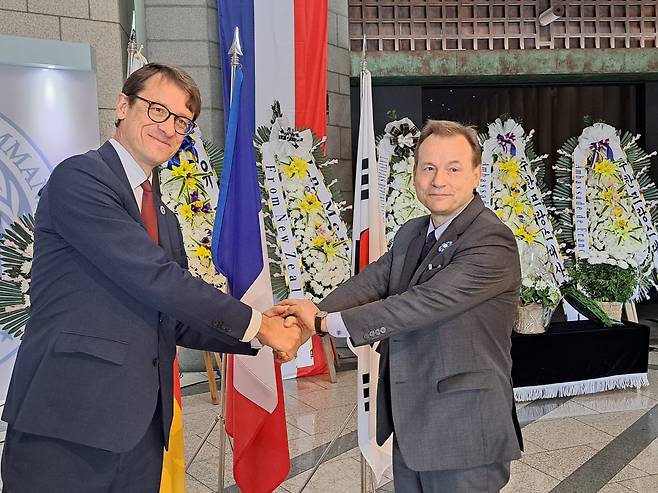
(255, 408)
(238, 243)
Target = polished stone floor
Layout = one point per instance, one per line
(604, 442)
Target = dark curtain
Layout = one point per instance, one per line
(554, 112)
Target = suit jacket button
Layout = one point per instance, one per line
(155, 362)
(383, 329)
(377, 332)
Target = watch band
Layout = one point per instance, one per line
(319, 317)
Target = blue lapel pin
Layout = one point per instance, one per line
(444, 245)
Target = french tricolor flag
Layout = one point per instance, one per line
(284, 45)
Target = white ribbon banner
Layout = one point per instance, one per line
(385, 150)
(639, 205)
(485, 178)
(286, 240)
(326, 199)
(581, 224)
(542, 219)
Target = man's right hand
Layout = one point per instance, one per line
(281, 338)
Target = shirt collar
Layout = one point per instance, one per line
(133, 171)
(441, 229)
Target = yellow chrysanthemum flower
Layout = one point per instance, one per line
(621, 223)
(186, 167)
(191, 183)
(618, 212)
(605, 168)
(296, 168)
(202, 252)
(310, 203)
(318, 241)
(329, 250)
(526, 233)
(178, 171)
(514, 202)
(608, 195)
(621, 227)
(511, 170)
(185, 210)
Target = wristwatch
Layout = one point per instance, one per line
(319, 317)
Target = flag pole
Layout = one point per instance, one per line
(235, 52)
(132, 48)
(365, 484)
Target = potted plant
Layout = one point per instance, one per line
(538, 294)
(609, 284)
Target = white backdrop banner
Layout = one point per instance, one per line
(46, 115)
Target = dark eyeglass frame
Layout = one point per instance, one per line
(190, 124)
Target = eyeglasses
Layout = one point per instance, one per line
(160, 114)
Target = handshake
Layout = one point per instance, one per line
(286, 326)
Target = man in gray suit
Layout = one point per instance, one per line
(90, 401)
(443, 302)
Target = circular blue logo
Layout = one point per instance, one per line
(24, 170)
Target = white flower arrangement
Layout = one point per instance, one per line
(512, 186)
(322, 245)
(609, 210)
(539, 289)
(183, 190)
(397, 147)
(16, 254)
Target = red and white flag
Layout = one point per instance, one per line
(368, 244)
(283, 47)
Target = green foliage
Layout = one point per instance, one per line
(584, 304)
(606, 282)
(216, 156)
(16, 263)
(548, 296)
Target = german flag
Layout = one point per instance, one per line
(173, 462)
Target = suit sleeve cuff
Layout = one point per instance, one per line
(253, 327)
(335, 325)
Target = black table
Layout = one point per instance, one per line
(581, 357)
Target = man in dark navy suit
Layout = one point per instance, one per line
(90, 401)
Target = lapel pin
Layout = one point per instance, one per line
(162, 210)
(444, 245)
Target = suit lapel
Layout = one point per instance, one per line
(111, 157)
(164, 237)
(441, 253)
(411, 258)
